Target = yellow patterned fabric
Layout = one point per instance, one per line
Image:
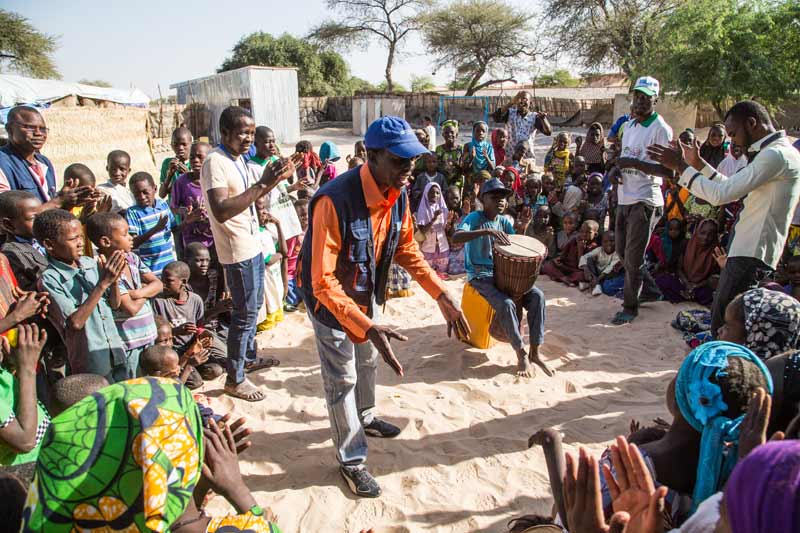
(243, 523)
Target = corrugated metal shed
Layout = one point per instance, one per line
(270, 93)
(367, 108)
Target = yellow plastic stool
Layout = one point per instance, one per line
(479, 315)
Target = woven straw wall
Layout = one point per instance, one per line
(87, 134)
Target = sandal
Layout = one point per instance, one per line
(244, 391)
(260, 363)
(623, 317)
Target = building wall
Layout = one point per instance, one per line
(275, 101)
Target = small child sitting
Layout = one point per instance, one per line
(208, 283)
(533, 194)
(274, 252)
(25, 254)
(541, 230)
(136, 285)
(118, 166)
(569, 225)
(80, 310)
(429, 175)
(457, 211)
(566, 267)
(525, 165)
(432, 216)
(600, 265)
(792, 272)
(68, 391)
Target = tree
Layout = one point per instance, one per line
(96, 83)
(480, 38)
(720, 51)
(363, 21)
(319, 73)
(558, 78)
(383, 87)
(421, 84)
(24, 49)
(607, 33)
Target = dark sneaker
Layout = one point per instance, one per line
(382, 429)
(360, 481)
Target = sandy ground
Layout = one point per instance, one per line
(462, 462)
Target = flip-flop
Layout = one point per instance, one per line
(623, 317)
(260, 364)
(245, 391)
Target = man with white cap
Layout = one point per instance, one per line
(358, 224)
(640, 201)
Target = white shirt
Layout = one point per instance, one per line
(636, 185)
(730, 165)
(236, 239)
(431, 137)
(121, 197)
(771, 184)
(605, 262)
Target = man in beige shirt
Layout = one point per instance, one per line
(230, 193)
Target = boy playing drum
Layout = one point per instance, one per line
(478, 231)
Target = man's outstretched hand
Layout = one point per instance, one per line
(456, 322)
(380, 337)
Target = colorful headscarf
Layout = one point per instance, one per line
(328, 151)
(450, 124)
(698, 261)
(426, 209)
(480, 162)
(516, 183)
(772, 322)
(763, 493)
(702, 405)
(126, 458)
(499, 148)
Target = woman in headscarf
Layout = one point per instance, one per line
(593, 149)
(707, 399)
(697, 271)
(714, 149)
(765, 321)
(450, 154)
(328, 155)
(522, 122)
(432, 217)
(499, 139)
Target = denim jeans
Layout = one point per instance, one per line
(634, 227)
(739, 275)
(246, 284)
(506, 311)
(348, 375)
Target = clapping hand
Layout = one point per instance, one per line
(279, 170)
(583, 500)
(112, 267)
(30, 341)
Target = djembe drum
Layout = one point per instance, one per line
(516, 267)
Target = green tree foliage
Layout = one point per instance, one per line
(558, 78)
(486, 41)
(383, 87)
(721, 51)
(25, 50)
(360, 22)
(608, 33)
(422, 84)
(96, 83)
(319, 73)
(458, 84)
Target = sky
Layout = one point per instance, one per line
(147, 43)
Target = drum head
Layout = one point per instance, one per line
(522, 246)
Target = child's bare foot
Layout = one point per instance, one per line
(524, 367)
(534, 358)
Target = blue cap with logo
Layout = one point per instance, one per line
(647, 85)
(393, 134)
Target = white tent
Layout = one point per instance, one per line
(21, 90)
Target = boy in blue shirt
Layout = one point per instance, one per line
(478, 231)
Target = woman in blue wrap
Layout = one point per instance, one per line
(707, 399)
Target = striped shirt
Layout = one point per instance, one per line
(159, 251)
(139, 330)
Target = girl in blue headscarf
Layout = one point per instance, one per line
(328, 154)
(479, 150)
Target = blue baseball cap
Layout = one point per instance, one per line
(495, 185)
(393, 134)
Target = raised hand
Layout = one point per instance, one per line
(279, 170)
(112, 267)
(161, 224)
(753, 431)
(30, 341)
(720, 257)
(583, 500)
(380, 337)
(187, 328)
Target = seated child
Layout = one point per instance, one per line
(600, 265)
(570, 225)
(478, 230)
(525, 165)
(698, 271)
(293, 246)
(430, 174)
(68, 391)
(558, 160)
(675, 199)
(172, 168)
(698, 209)
(533, 194)
(79, 306)
(151, 223)
(187, 196)
(209, 284)
(118, 165)
(276, 283)
(164, 338)
(511, 179)
(184, 311)
(577, 173)
(137, 284)
(593, 150)
(25, 254)
(457, 210)
(566, 267)
(541, 230)
(792, 273)
(432, 217)
(23, 420)
(595, 199)
(571, 199)
(162, 361)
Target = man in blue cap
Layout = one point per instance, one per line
(479, 230)
(358, 225)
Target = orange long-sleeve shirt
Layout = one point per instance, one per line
(327, 243)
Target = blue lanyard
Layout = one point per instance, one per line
(242, 174)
